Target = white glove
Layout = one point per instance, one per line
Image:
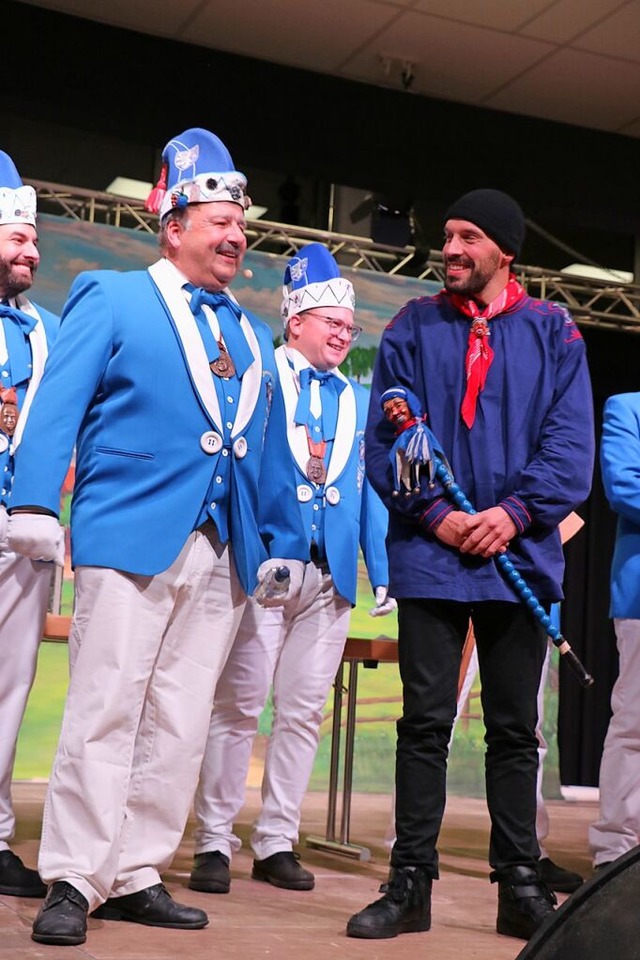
(3, 528)
(37, 536)
(384, 603)
(266, 593)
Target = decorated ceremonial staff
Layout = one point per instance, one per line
(415, 450)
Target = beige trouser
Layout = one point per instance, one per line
(145, 655)
(297, 649)
(617, 829)
(24, 595)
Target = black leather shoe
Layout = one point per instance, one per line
(62, 918)
(210, 873)
(404, 908)
(16, 880)
(283, 870)
(557, 878)
(524, 902)
(153, 907)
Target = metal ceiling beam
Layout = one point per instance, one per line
(591, 302)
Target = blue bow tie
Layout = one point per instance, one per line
(332, 386)
(228, 315)
(17, 326)
(25, 322)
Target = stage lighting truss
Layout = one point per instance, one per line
(591, 302)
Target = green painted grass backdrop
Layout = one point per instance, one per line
(379, 704)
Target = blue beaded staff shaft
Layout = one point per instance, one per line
(507, 569)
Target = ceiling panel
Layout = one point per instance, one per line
(576, 61)
(618, 35)
(503, 15)
(563, 20)
(573, 87)
(446, 57)
(279, 30)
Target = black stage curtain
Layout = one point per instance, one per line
(614, 362)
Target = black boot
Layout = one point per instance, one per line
(404, 908)
(524, 902)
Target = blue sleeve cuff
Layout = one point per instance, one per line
(518, 512)
(435, 514)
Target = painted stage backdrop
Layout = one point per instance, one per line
(69, 247)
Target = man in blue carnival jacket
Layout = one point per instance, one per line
(26, 333)
(297, 647)
(504, 383)
(617, 830)
(166, 388)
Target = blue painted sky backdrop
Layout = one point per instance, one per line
(71, 246)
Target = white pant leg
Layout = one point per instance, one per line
(240, 697)
(618, 827)
(146, 655)
(306, 669)
(24, 596)
(542, 814)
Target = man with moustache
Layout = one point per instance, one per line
(26, 332)
(504, 383)
(166, 538)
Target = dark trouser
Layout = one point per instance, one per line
(511, 648)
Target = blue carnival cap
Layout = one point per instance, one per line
(196, 168)
(17, 202)
(312, 279)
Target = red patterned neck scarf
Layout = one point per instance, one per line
(479, 353)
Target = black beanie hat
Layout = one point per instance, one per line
(496, 213)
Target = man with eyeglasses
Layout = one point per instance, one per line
(296, 648)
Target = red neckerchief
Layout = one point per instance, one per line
(479, 353)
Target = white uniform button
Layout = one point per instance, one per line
(5, 373)
(313, 526)
(333, 495)
(240, 448)
(229, 399)
(229, 425)
(225, 453)
(316, 507)
(213, 506)
(305, 493)
(210, 442)
(218, 479)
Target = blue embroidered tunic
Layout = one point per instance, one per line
(530, 449)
